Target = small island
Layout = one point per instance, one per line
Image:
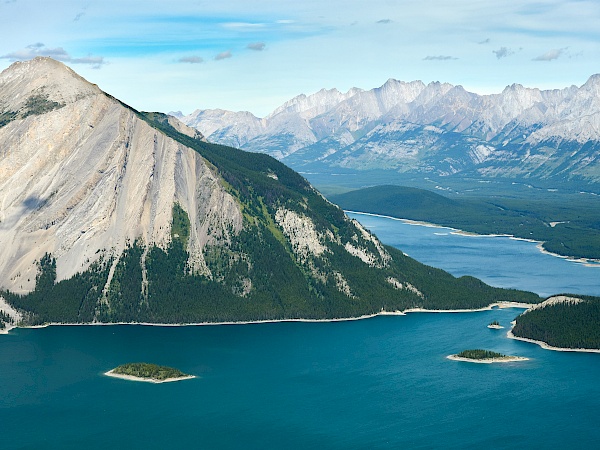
(495, 325)
(148, 372)
(484, 356)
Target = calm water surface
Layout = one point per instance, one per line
(377, 383)
(499, 261)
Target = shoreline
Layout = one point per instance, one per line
(588, 262)
(501, 305)
(8, 327)
(257, 322)
(547, 346)
(110, 373)
(505, 359)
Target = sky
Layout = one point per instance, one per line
(253, 55)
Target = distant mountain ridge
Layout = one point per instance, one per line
(436, 128)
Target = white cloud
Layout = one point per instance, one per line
(243, 26)
(223, 55)
(551, 55)
(257, 46)
(503, 52)
(439, 58)
(58, 53)
(191, 60)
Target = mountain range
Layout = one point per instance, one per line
(438, 128)
(108, 214)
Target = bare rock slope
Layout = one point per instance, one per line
(90, 176)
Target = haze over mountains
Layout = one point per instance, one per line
(436, 128)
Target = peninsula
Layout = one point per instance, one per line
(484, 357)
(562, 322)
(148, 372)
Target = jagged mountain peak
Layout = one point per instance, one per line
(309, 106)
(593, 84)
(595, 79)
(394, 92)
(396, 124)
(434, 89)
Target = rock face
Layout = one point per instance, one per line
(91, 177)
(108, 214)
(436, 128)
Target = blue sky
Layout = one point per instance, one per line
(254, 55)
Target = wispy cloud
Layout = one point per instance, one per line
(80, 14)
(384, 21)
(439, 58)
(191, 60)
(503, 52)
(223, 55)
(58, 53)
(551, 55)
(243, 26)
(257, 46)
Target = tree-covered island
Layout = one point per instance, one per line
(148, 372)
(495, 325)
(484, 356)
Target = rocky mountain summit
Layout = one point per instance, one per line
(79, 173)
(436, 128)
(110, 214)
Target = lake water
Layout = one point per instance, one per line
(499, 261)
(376, 383)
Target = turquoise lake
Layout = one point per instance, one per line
(378, 383)
(499, 261)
